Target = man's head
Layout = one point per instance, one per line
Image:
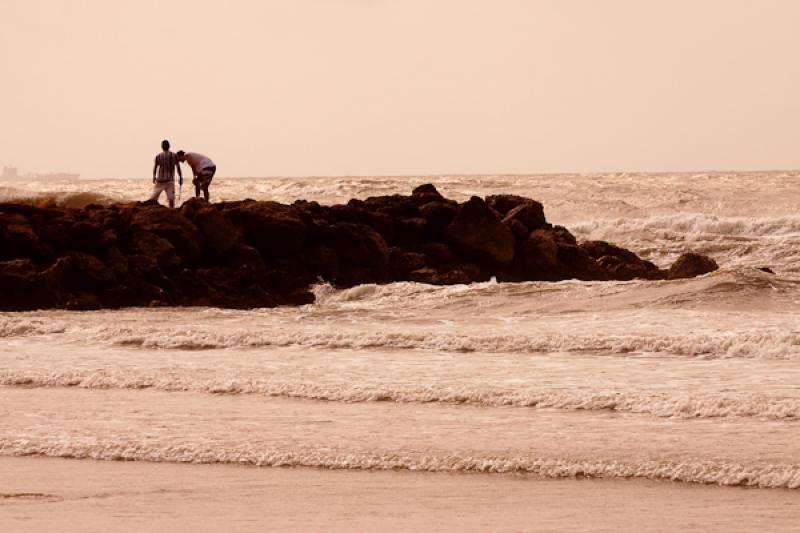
(181, 155)
(165, 144)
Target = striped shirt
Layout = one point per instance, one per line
(166, 162)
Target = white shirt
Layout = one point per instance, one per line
(198, 161)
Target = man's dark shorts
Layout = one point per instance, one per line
(205, 176)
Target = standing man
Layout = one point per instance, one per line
(203, 169)
(164, 174)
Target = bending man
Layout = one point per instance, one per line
(203, 169)
(164, 174)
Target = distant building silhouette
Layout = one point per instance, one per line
(9, 173)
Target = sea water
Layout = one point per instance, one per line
(695, 381)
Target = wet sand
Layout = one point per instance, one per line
(46, 494)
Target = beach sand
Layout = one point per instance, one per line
(47, 494)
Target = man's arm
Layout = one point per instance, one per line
(180, 176)
(155, 168)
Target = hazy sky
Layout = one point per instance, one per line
(333, 87)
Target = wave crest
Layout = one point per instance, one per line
(702, 472)
(697, 405)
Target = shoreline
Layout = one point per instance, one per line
(39, 493)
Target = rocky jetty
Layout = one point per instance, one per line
(262, 254)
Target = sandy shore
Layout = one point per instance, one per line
(43, 494)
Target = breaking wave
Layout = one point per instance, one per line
(729, 281)
(748, 345)
(16, 327)
(733, 241)
(758, 344)
(74, 199)
(696, 405)
(701, 472)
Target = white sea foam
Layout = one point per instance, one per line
(75, 199)
(704, 472)
(679, 405)
(751, 344)
(11, 326)
(762, 345)
(409, 316)
(734, 241)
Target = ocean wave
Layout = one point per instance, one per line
(74, 199)
(683, 225)
(752, 344)
(695, 405)
(733, 281)
(699, 472)
(758, 345)
(732, 240)
(29, 326)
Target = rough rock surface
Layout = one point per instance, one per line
(262, 254)
(478, 231)
(690, 265)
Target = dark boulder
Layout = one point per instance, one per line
(437, 253)
(621, 264)
(597, 249)
(563, 235)
(453, 275)
(362, 253)
(83, 301)
(274, 229)
(619, 270)
(192, 206)
(438, 215)
(519, 229)
(57, 230)
(531, 214)
(220, 234)
(84, 235)
(86, 272)
(503, 203)
(402, 263)
(355, 213)
(410, 230)
(537, 257)
(144, 243)
(116, 261)
(460, 274)
(247, 263)
(322, 261)
(171, 225)
(427, 188)
(574, 262)
(108, 239)
(396, 205)
(690, 265)
(20, 286)
(145, 266)
(477, 230)
(17, 238)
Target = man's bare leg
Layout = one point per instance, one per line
(205, 192)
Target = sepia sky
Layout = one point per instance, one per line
(370, 87)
